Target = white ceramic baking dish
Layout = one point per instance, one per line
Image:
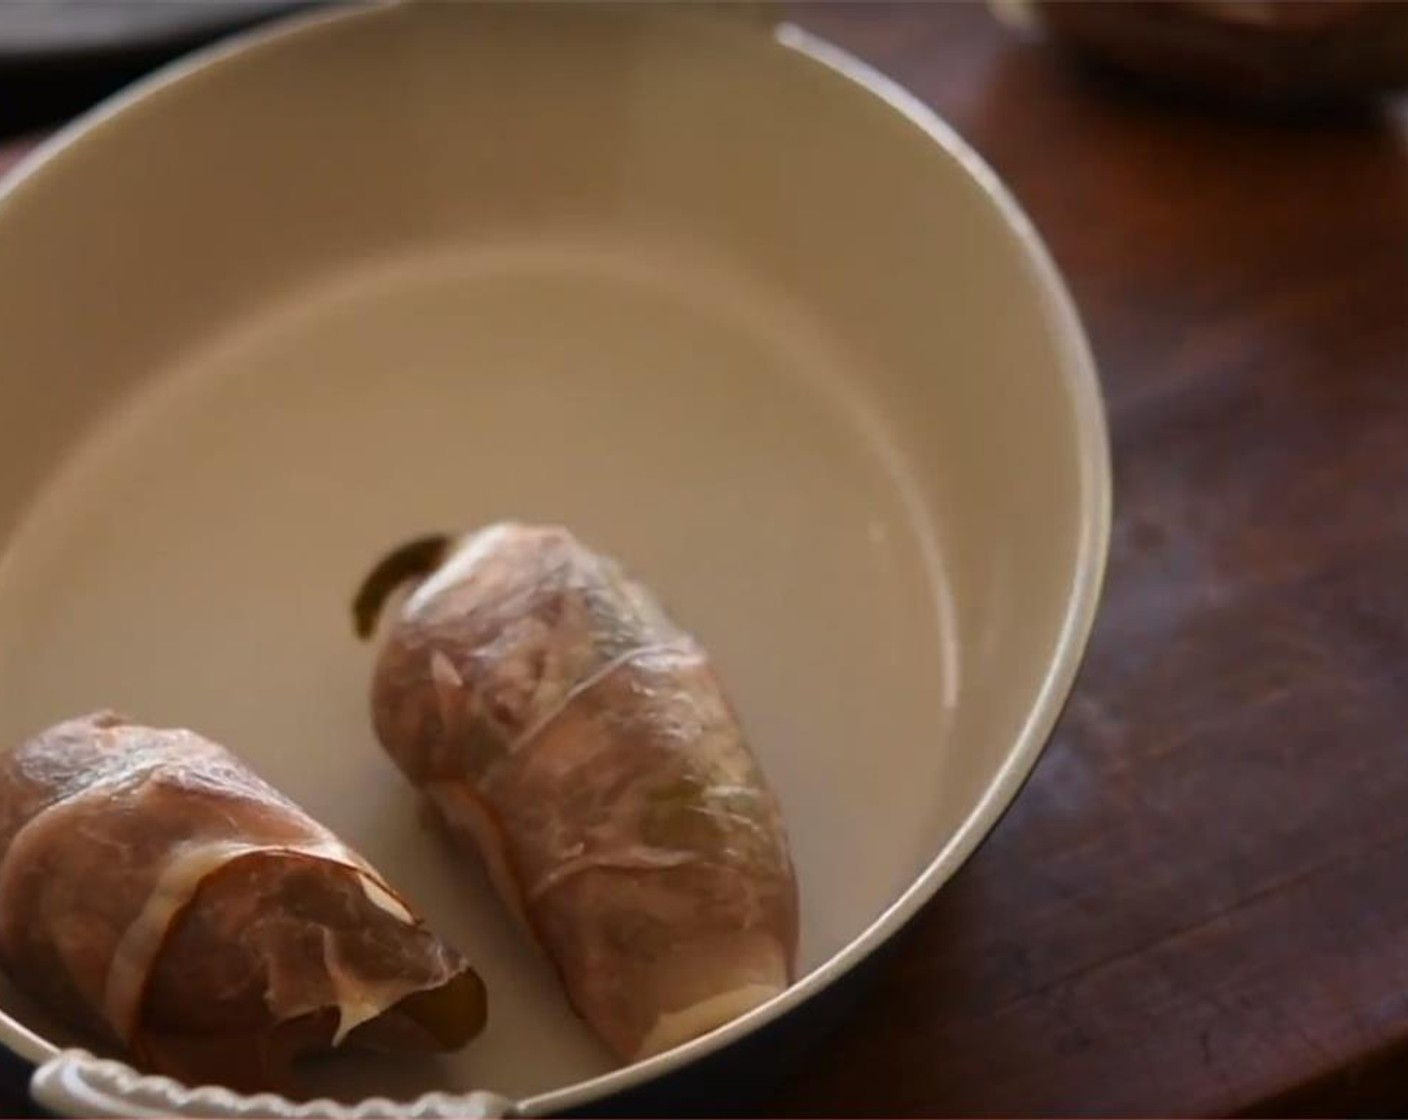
(703, 287)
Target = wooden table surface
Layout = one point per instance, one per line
(1199, 905)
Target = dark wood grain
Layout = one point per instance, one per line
(1199, 905)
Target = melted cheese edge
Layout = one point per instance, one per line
(674, 1028)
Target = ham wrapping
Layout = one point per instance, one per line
(557, 719)
(156, 892)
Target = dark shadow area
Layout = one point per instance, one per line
(1108, 79)
(59, 58)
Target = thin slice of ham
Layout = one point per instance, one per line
(560, 721)
(155, 891)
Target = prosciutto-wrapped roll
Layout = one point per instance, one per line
(155, 891)
(555, 717)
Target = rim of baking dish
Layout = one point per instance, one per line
(69, 1072)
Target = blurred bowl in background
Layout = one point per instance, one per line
(1267, 53)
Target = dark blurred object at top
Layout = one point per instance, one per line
(57, 57)
(1269, 54)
